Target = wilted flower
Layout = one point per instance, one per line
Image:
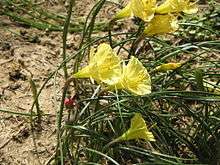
(161, 24)
(137, 130)
(175, 6)
(104, 66)
(168, 66)
(134, 78)
(144, 9)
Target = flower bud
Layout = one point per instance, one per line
(167, 66)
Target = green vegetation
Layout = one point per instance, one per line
(182, 111)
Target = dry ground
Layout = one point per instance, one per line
(38, 53)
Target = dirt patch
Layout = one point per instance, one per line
(30, 53)
(39, 59)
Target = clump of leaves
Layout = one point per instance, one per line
(202, 27)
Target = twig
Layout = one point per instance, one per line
(50, 159)
(6, 61)
(6, 142)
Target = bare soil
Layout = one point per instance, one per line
(30, 53)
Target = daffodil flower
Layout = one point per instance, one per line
(134, 78)
(104, 66)
(161, 24)
(144, 9)
(168, 66)
(175, 6)
(137, 130)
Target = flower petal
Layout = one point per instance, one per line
(168, 66)
(134, 78)
(144, 9)
(84, 72)
(137, 130)
(125, 12)
(161, 24)
(104, 66)
(192, 8)
(174, 6)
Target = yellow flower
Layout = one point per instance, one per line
(104, 66)
(144, 9)
(161, 24)
(134, 78)
(125, 12)
(168, 66)
(137, 130)
(175, 6)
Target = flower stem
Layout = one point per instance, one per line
(135, 45)
(65, 31)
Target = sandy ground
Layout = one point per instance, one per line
(16, 144)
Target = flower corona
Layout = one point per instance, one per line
(137, 130)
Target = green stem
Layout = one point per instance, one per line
(34, 91)
(87, 31)
(110, 25)
(60, 115)
(16, 113)
(65, 31)
(135, 45)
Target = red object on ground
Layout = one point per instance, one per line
(69, 102)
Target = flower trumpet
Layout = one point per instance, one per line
(168, 66)
(134, 78)
(161, 24)
(137, 130)
(104, 66)
(144, 9)
(176, 6)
